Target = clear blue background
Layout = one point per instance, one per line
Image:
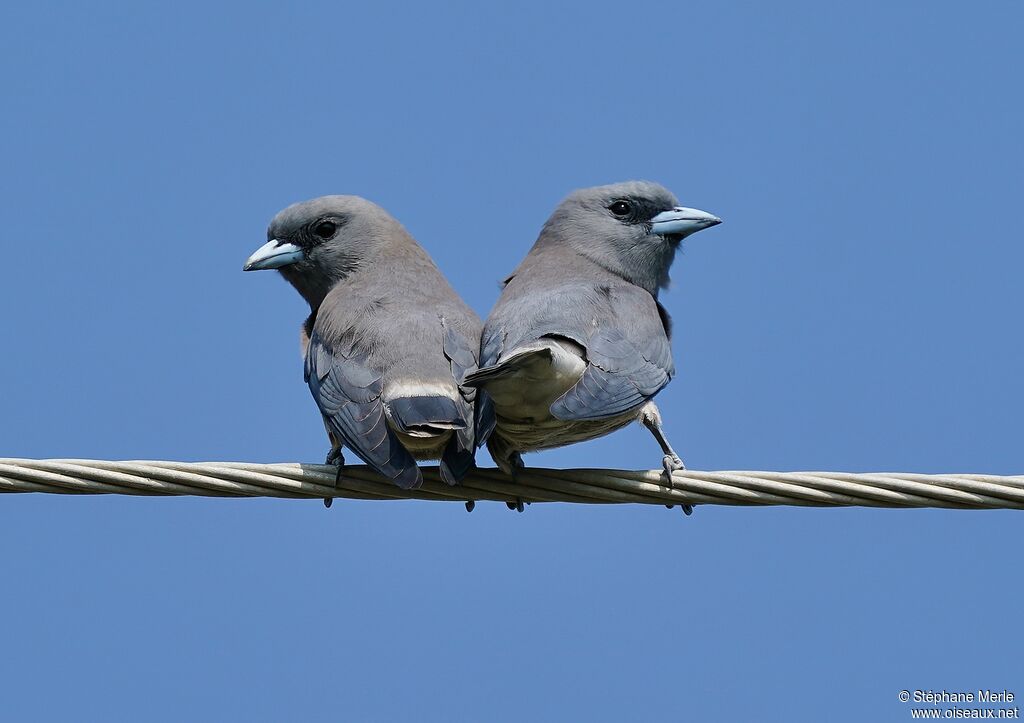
(859, 309)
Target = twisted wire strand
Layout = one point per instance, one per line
(590, 486)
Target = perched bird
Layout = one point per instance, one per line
(387, 341)
(578, 345)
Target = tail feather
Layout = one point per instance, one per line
(484, 417)
(507, 367)
(456, 462)
(428, 414)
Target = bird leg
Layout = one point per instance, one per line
(508, 460)
(650, 417)
(335, 457)
(515, 463)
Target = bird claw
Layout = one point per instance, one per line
(335, 457)
(515, 464)
(470, 505)
(671, 463)
(517, 505)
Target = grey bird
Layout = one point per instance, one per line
(578, 344)
(387, 341)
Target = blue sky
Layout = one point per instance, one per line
(858, 310)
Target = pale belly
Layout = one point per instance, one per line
(522, 401)
(550, 432)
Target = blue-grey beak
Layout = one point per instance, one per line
(273, 255)
(681, 222)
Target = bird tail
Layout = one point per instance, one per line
(426, 416)
(508, 366)
(432, 416)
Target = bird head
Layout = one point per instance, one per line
(632, 229)
(315, 244)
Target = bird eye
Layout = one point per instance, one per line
(621, 208)
(325, 229)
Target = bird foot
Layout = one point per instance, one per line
(512, 465)
(671, 463)
(335, 457)
(517, 505)
(470, 505)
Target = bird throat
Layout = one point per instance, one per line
(310, 282)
